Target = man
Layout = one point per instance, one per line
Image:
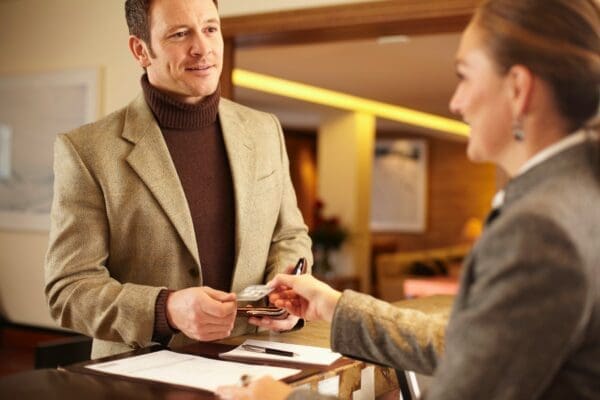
(163, 207)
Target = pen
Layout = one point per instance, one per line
(300, 266)
(267, 350)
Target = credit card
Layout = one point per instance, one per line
(254, 292)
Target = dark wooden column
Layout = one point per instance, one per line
(227, 90)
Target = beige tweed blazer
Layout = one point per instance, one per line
(121, 228)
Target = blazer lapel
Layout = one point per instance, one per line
(151, 160)
(242, 161)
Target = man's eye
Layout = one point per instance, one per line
(179, 34)
(212, 29)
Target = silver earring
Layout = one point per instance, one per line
(518, 132)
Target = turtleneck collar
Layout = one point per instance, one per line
(171, 113)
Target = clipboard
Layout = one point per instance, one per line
(208, 350)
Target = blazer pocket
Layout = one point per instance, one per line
(266, 182)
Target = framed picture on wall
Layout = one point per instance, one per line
(34, 108)
(399, 186)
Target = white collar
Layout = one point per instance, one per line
(544, 154)
(498, 199)
(563, 144)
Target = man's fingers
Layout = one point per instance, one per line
(219, 309)
(281, 325)
(204, 319)
(207, 333)
(277, 325)
(218, 294)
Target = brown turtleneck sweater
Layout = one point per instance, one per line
(195, 141)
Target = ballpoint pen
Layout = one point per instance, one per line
(300, 266)
(267, 350)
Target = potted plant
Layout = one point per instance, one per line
(327, 235)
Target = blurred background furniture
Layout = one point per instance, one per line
(423, 286)
(440, 267)
(19, 347)
(61, 352)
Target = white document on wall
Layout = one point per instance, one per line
(302, 354)
(188, 370)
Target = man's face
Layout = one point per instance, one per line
(187, 44)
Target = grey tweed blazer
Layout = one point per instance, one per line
(526, 321)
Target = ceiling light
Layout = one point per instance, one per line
(317, 95)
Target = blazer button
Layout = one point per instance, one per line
(194, 272)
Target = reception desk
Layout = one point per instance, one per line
(344, 377)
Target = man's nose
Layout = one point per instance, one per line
(200, 46)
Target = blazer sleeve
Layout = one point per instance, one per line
(376, 331)
(521, 316)
(80, 291)
(290, 239)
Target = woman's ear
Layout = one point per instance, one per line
(520, 82)
(139, 50)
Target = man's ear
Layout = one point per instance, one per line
(520, 82)
(139, 50)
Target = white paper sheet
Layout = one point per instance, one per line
(304, 354)
(188, 370)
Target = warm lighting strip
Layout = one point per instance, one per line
(314, 94)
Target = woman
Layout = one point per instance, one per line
(526, 321)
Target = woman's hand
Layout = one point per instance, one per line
(304, 296)
(265, 388)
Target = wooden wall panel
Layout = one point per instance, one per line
(457, 190)
(302, 151)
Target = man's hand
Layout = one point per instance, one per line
(278, 325)
(304, 296)
(202, 313)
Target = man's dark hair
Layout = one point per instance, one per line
(137, 14)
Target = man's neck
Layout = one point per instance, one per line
(174, 114)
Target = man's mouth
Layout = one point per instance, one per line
(199, 68)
